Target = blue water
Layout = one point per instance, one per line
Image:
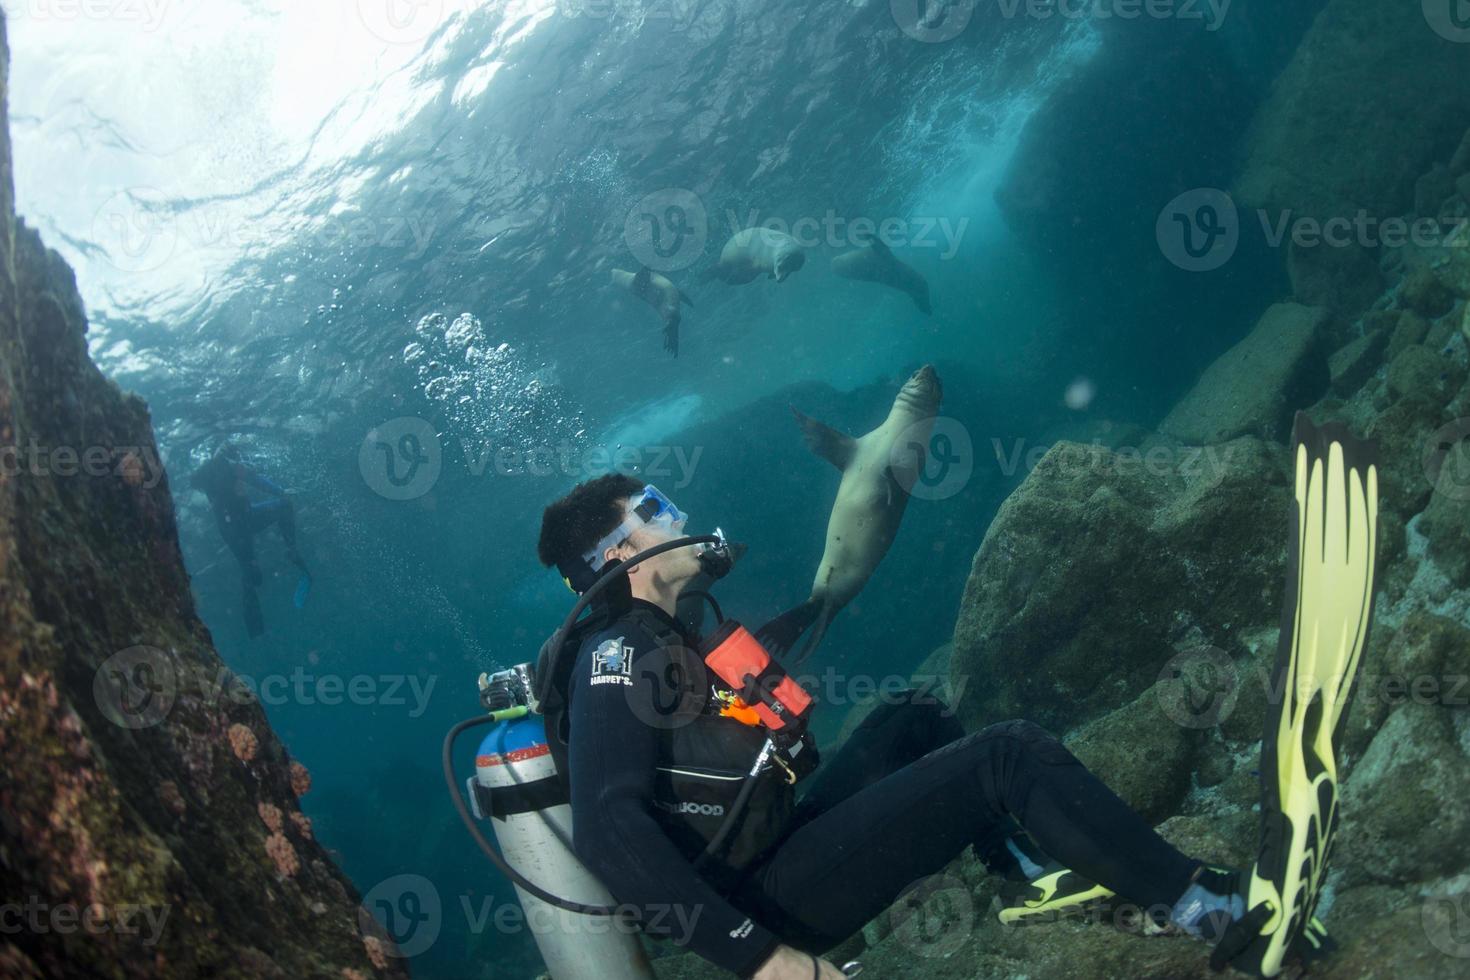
(293, 223)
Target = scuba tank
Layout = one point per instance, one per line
(516, 787)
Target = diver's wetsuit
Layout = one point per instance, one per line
(224, 480)
(905, 795)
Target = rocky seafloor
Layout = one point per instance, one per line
(1128, 593)
(147, 828)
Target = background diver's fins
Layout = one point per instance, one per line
(303, 589)
(254, 621)
(1324, 630)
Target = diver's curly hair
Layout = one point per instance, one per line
(584, 517)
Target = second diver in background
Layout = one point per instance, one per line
(227, 481)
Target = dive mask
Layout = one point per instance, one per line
(654, 508)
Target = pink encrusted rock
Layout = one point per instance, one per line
(243, 742)
(303, 824)
(300, 779)
(283, 854)
(375, 952)
(270, 815)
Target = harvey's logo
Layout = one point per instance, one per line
(612, 663)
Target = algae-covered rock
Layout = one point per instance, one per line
(1446, 521)
(1357, 362)
(1402, 430)
(1425, 292)
(1433, 189)
(1404, 817)
(1144, 754)
(1427, 660)
(1412, 329)
(1256, 386)
(129, 792)
(1099, 565)
(1345, 279)
(1365, 67)
(1419, 372)
(1388, 932)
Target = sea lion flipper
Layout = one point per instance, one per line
(671, 335)
(684, 298)
(643, 280)
(781, 633)
(814, 638)
(833, 446)
(881, 249)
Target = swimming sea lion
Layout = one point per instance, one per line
(754, 251)
(659, 293)
(877, 263)
(877, 471)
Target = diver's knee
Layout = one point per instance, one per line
(1026, 738)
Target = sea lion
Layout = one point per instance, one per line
(754, 251)
(877, 470)
(659, 293)
(877, 263)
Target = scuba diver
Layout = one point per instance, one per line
(653, 730)
(227, 481)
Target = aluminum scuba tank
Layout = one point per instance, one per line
(534, 830)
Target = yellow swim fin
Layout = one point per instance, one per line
(1324, 630)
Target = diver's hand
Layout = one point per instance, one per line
(790, 964)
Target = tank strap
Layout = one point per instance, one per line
(539, 794)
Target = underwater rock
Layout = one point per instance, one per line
(1344, 280)
(1424, 293)
(1446, 522)
(1422, 373)
(1364, 67)
(1427, 646)
(1403, 804)
(1101, 563)
(1255, 387)
(121, 786)
(1357, 362)
(1145, 137)
(1142, 753)
(1432, 190)
(1412, 329)
(1401, 429)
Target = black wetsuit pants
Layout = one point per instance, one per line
(909, 791)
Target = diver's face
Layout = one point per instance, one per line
(673, 567)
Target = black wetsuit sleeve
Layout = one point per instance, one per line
(613, 755)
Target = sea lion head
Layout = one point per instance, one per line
(790, 260)
(923, 391)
